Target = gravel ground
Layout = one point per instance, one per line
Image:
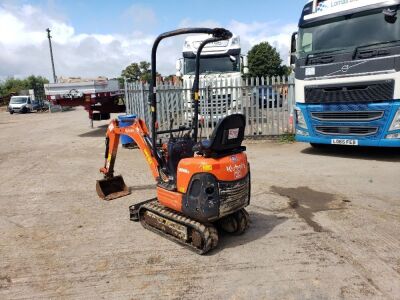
(325, 223)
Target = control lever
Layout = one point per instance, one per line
(201, 126)
(171, 123)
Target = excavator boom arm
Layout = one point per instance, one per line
(139, 133)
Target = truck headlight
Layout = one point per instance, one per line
(393, 136)
(396, 121)
(302, 132)
(236, 41)
(300, 121)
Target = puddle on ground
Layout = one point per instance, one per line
(306, 202)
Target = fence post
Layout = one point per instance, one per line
(291, 100)
(127, 107)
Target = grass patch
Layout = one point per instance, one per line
(287, 138)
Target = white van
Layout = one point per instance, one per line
(21, 104)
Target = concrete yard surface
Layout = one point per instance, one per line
(325, 223)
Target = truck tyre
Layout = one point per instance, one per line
(11, 111)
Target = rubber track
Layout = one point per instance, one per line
(208, 232)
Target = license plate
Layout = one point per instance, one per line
(344, 142)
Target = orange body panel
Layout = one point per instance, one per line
(137, 131)
(169, 199)
(228, 168)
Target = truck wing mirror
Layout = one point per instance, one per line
(293, 48)
(178, 64)
(292, 58)
(293, 43)
(245, 64)
(390, 15)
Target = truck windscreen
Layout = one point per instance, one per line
(348, 32)
(213, 64)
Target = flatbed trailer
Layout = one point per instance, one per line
(100, 97)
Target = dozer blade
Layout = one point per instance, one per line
(112, 188)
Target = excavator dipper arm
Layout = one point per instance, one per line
(111, 186)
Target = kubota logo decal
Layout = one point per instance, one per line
(237, 170)
(183, 170)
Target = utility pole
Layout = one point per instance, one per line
(51, 55)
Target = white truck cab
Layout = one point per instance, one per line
(221, 65)
(218, 59)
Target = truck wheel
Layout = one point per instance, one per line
(24, 110)
(11, 112)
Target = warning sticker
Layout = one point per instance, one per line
(233, 133)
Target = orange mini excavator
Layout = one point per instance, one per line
(201, 185)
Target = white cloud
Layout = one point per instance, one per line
(24, 46)
(277, 34)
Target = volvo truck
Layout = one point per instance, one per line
(346, 55)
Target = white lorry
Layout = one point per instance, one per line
(221, 69)
(347, 73)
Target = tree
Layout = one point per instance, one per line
(137, 71)
(36, 83)
(286, 70)
(131, 72)
(14, 86)
(264, 60)
(146, 72)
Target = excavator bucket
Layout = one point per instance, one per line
(112, 188)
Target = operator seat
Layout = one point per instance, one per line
(178, 149)
(226, 138)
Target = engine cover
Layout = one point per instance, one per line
(208, 199)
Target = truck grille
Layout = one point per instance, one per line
(355, 92)
(340, 116)
(216, 104)
(233, 195)
(345, 130)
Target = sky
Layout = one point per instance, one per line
(100, 38)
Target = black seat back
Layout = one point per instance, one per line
(178, 149)
(228, 134)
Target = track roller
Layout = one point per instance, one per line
(198, 237)
(235, 223)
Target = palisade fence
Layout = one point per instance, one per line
(267, 103)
